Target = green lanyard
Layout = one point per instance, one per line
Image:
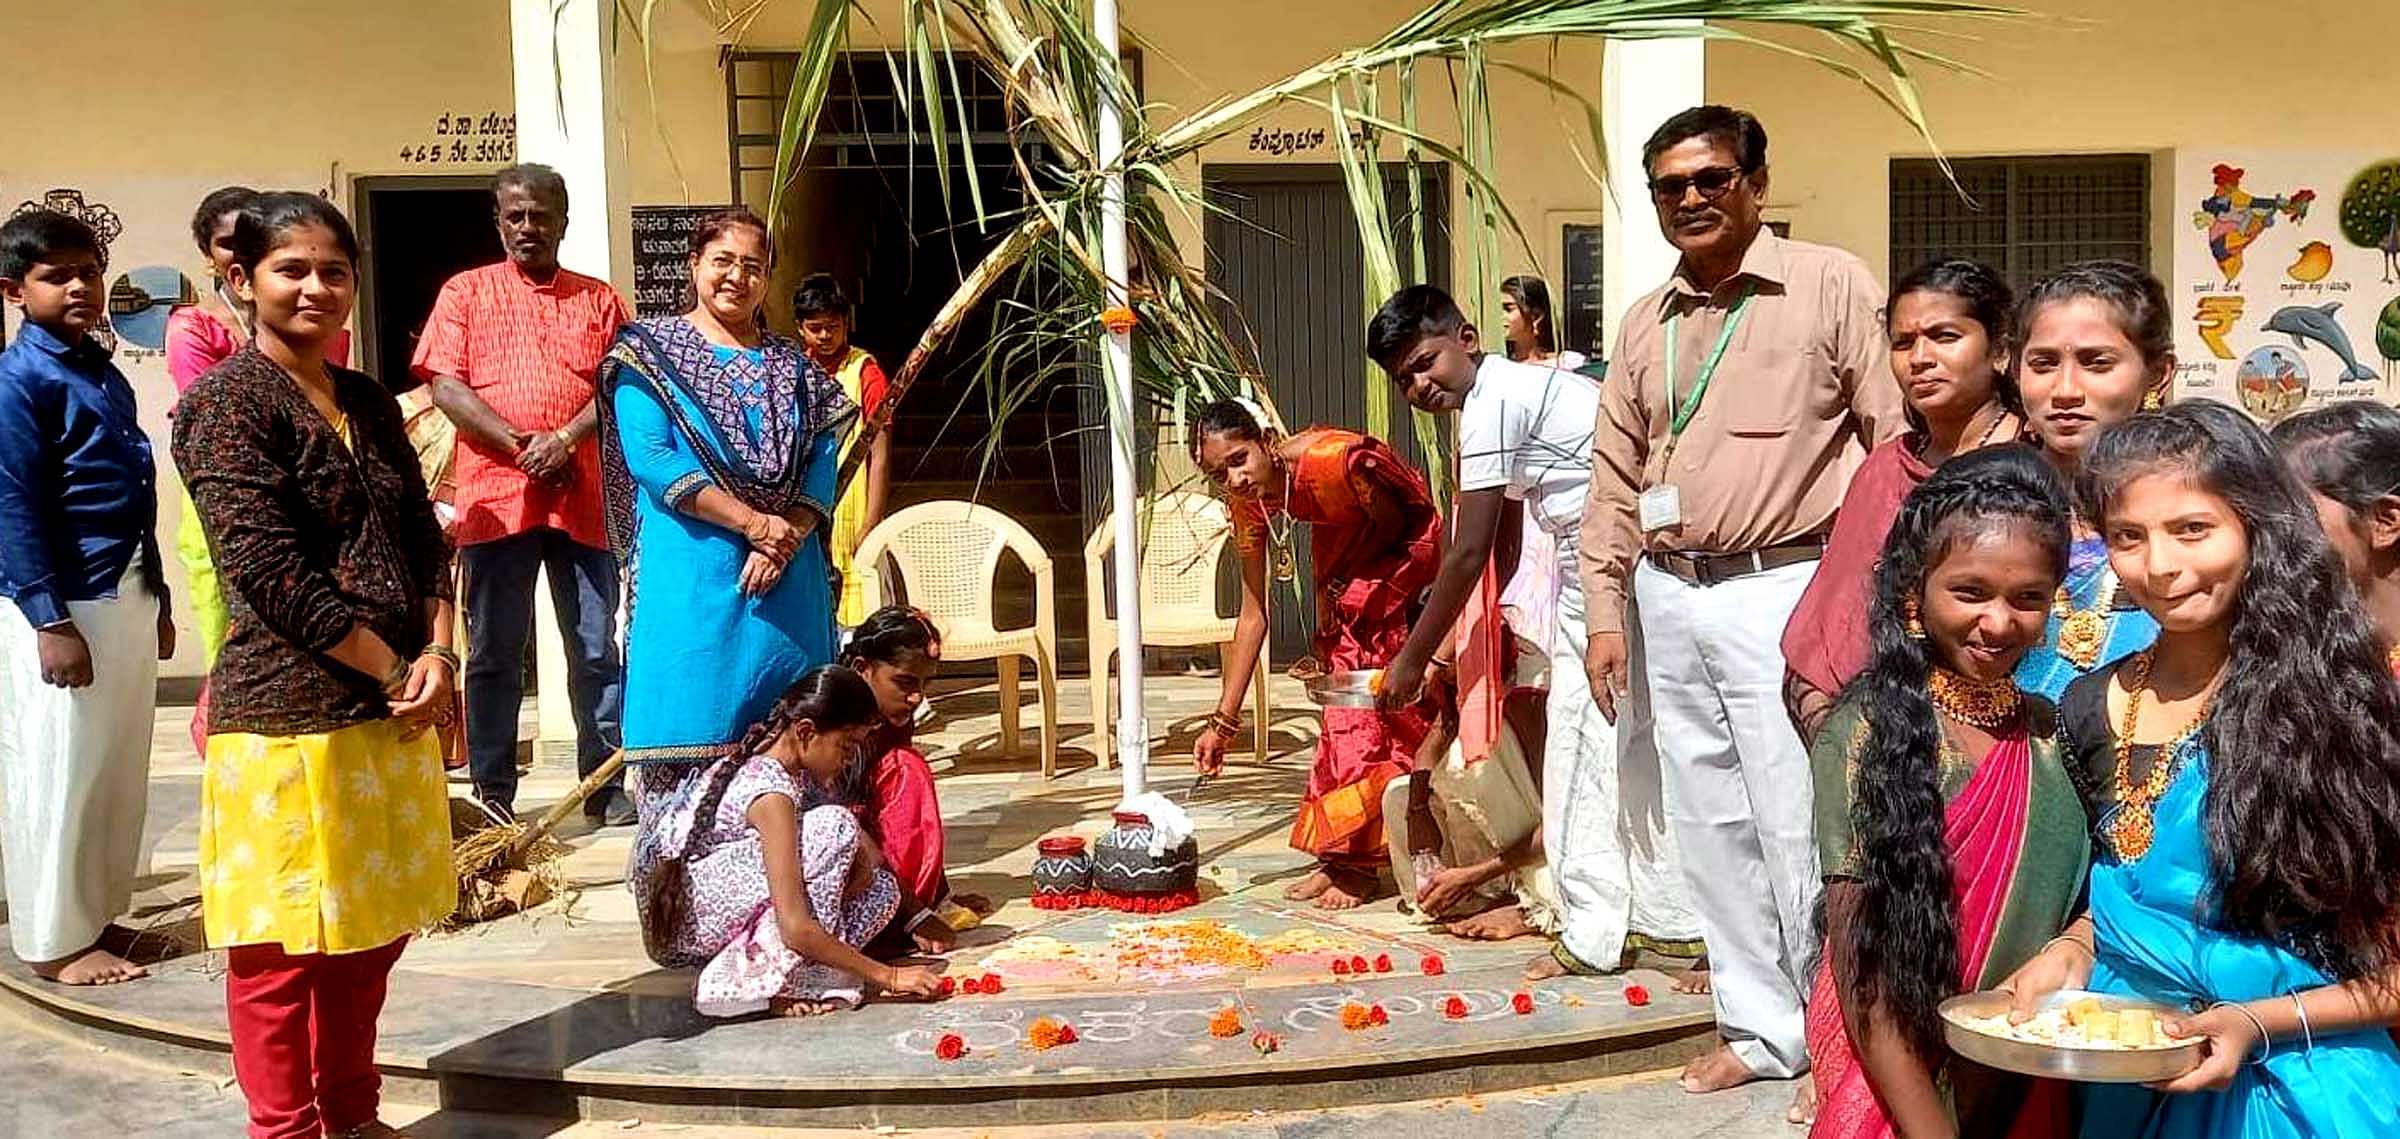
(1708, 370)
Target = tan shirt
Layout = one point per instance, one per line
(1804, 390)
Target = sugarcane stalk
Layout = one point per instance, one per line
(601, 777)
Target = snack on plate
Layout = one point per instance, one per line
(2083, 1023)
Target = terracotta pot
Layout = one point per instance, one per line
(1062, 869)
(1122, 863)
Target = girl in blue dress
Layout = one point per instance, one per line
(2099, 345)
(2244, 774)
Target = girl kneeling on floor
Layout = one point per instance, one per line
(774, 886)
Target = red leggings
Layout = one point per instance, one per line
(304, 1036)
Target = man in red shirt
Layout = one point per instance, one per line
(512, 351)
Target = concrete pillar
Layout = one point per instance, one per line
(1642, 83)
(566, 119)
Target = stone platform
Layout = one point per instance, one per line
(557, 1013)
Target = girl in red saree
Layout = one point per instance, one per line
(1374, 544)
(1954, 843)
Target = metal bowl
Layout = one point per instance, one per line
(2089, 1065)
(1354, 689)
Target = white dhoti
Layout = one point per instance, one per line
(1482, 809)
(75, 766)
(1604, 808)
(1740, 796)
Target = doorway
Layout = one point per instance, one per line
(1283, 249)
(414, 234)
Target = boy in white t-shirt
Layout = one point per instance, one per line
(1524, 449)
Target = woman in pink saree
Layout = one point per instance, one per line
(1953, 842)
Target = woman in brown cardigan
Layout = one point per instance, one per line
(324, 828)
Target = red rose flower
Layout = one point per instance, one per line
(1377, 1017)
(991, 984)
(1266, 1042)
(950, 1047)
(1358, 964)
(1383, 962)
(1636, 995)
(1522, 1002)
(949, 985)
(1066, 1033)
(1455, 1008)
(1341, 968)
(1431, 966)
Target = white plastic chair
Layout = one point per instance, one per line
(1184, 536)
(947, 555)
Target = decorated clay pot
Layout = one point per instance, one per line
(1122, 866)
(1062, 873)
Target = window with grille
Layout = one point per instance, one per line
(865, 121)
(2028, 215)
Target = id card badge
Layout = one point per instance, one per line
(1661, 508)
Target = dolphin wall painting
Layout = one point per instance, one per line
(2304, 323)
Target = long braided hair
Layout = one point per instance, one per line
(1900, 949)
(831, 698)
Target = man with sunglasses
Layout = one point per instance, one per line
(1742, 394)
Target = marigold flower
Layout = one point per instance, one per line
(950, 1047)
(1226, 1024)
(1356, 1016)
(1118, 319)
(1048, 1033)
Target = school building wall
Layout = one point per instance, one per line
(142, 108)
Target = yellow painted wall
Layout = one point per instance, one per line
(145, 107)
(2119, 76)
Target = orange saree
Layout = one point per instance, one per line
(1375, 544)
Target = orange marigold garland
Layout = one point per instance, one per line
(1226, 1024)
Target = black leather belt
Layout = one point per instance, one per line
(1717, 569)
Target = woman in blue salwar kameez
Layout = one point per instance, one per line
(723, 443)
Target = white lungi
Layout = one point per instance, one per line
(1483, 809)
(75, 765)
(1740, 797)
(1604, 804)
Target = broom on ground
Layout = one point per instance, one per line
(507, 866)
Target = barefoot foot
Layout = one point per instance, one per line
(1718, 1070)
(1693, 981)
(1500, 923)
(1804, 1102)
(1347, 889)
(1545, 967)
(1307, 889)
(796, 1008)
(94, 966)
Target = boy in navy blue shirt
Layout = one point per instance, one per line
(88, 619)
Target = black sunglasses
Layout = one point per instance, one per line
(1712, 183)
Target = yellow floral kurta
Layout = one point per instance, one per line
(335, 842)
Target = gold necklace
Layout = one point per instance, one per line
(1985, 704)
(2082, 633)
(1285, 566)
(2131, 823)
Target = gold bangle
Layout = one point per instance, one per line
(2088, 951)
(1223, 724)
(444, 654)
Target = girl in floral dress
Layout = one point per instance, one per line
(760, 877)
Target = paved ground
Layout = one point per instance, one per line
(51, 1086)
(997, 806)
